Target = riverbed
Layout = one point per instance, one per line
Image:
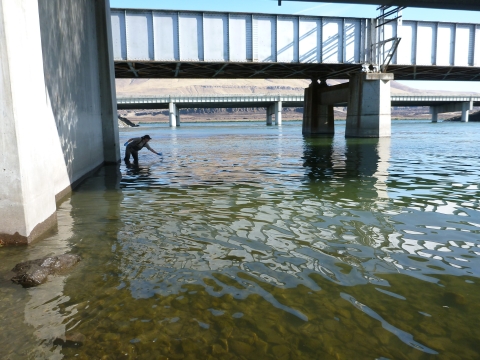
(251, 242)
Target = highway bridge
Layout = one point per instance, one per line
(274, 103)
(187, 44)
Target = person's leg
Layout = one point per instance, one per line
(135, 156)
(127, 154)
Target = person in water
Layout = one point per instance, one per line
(134, 145)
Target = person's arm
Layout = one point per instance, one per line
(153, 151)
(128, 141)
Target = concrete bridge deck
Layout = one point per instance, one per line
(262, 100)
(275, 103)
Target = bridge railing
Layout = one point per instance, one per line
(209, 98)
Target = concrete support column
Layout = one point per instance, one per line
(434, 112)
(172, 114)
(466, 106)
(270, 111)
(369, 106)
(278, 112)
(108, 103)
(177, 115)
(27, 197)
(317, 117)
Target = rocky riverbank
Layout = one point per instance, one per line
(474, 117)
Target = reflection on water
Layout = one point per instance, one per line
(250, 242)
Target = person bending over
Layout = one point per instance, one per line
(134, 145)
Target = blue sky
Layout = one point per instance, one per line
(321, 9)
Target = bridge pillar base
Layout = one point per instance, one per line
(177, 115)
(278, 112)
(434, 113)
(270, 112)
(318, 118)
(58, 109)
(172, 114)
(369, 107)
(27, 193)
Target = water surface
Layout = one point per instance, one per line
(253, 242)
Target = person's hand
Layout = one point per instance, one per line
(125, 144)
(159, 153)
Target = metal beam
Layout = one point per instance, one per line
(473, 5)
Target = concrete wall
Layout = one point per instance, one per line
(73, 83)
(26, 127)
(57, 107)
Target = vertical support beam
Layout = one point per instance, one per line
(172, 114)
(369, 106)
(27, 194)
(466, 106)
(278, 112)
(111, 148)
(177, 115)
(270, 111)
(434, 112)
(318, 118)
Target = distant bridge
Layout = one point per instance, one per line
(186, 44)
(274, 103)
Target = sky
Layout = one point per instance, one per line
(319, 9)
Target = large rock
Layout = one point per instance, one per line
(35, 272)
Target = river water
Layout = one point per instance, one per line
(252, 242)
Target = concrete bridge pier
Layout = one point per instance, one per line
(172, 114)
(278, 112)
(317, 117)
(464, 107)
(369, 106)
(270, 112)
(177, 115)
(58, 109)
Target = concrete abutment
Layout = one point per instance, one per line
(367, 97)
(58, 107)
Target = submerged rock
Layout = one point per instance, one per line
(74, 340)
(35, 272)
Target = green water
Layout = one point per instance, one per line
(252, 242)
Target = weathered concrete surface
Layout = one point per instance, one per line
(35, 272)
(317, 115)
(58, 111)
(27, 195)
(369, 109)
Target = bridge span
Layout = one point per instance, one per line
(472, 5)
(186, 44)
(275, 103)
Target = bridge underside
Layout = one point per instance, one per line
(245, 70)
(434, 4)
